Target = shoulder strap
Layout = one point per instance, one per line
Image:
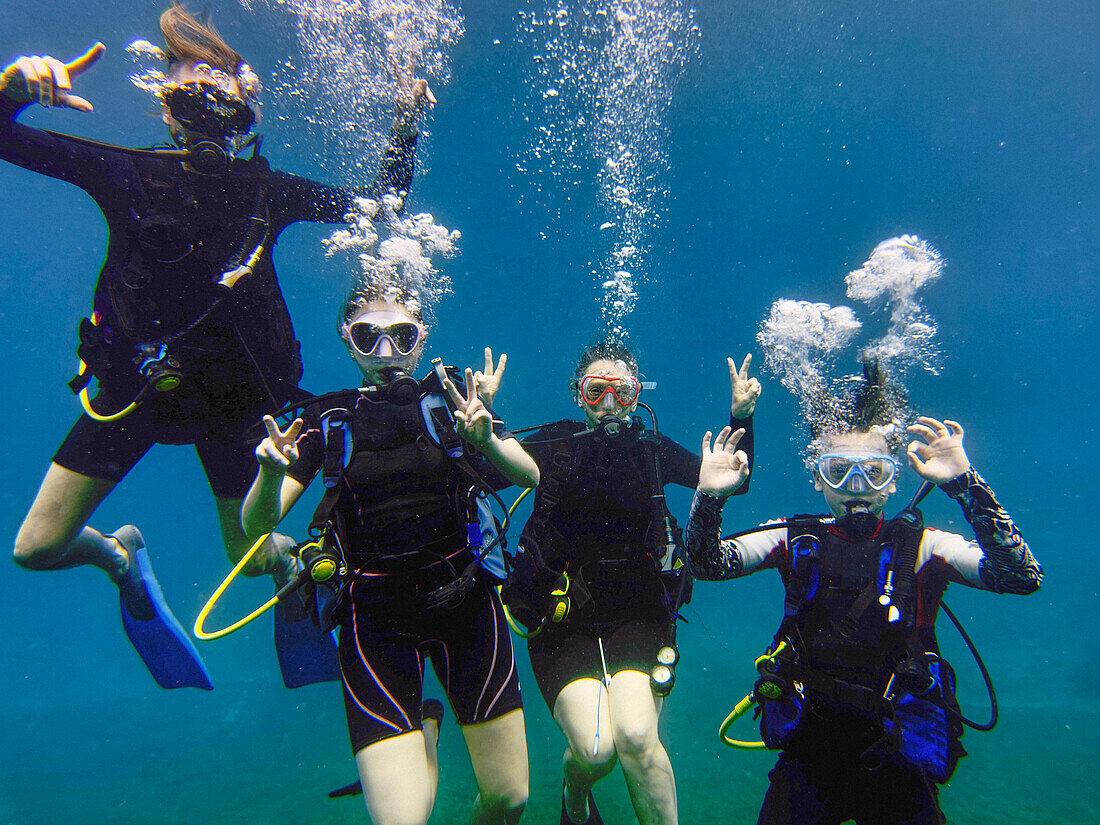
(804, 547)
(906, 533)
(563, 463)
(339, 447)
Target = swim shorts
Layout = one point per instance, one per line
(563, 654)
(108, 450)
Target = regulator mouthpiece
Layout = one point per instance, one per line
(859, 522)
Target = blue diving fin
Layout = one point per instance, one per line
(155, 633)
(306, 654)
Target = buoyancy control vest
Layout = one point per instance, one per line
(537, 574)
(861, 642)
(168, 297)
(399, 484)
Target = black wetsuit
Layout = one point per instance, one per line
(401, 522)
(171, 233)
(599, 534)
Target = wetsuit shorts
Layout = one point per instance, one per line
(108, 450)
(820, 780)
(563, 654)
(384, 640)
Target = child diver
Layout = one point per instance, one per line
(858, 700)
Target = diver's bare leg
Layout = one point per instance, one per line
(581, 710)
(398, 788)
(431, 752)
(54, 535)
(649, 779)
(498, 752)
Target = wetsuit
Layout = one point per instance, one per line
(400, 518)
(171, 232)
(823, 775)
(603, 534)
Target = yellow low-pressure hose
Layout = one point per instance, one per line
(519, 498)
(86, 403)
(739, 710)
(225, 631)
(742, 707)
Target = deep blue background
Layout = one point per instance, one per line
(803, 134)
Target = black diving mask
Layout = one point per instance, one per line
(208, 110)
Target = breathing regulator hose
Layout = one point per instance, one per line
(742, 707)
(319, 567)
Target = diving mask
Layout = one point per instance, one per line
(209, 110)
(625, 389)
(403, 336)
(857, 474)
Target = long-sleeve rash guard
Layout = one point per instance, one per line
(998, 559)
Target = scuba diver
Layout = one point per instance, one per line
(401, 514)
(189, 338)
(598, 580)
(853, 691)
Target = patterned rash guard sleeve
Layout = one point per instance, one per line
(713, 558)
(1006, 564)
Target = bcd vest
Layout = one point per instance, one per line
(862, 640)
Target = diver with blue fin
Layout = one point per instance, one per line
(189, 339)
(853, 692)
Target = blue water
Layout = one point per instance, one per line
(802, 135)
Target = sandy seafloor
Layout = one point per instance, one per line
(801, 135)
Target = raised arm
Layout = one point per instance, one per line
(1004, 561)
(273, 492)
(744, 392)
(307, 200)
(474, 423)
(723, 469)
(47, 81)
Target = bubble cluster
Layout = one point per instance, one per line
(398, 265)
(151, 78)
(897, 269)
(802, 342)
(150, 58)
(353, 58)
(603, 75)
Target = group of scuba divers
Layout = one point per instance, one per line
(190, 343)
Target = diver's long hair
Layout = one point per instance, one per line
(190, 40)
